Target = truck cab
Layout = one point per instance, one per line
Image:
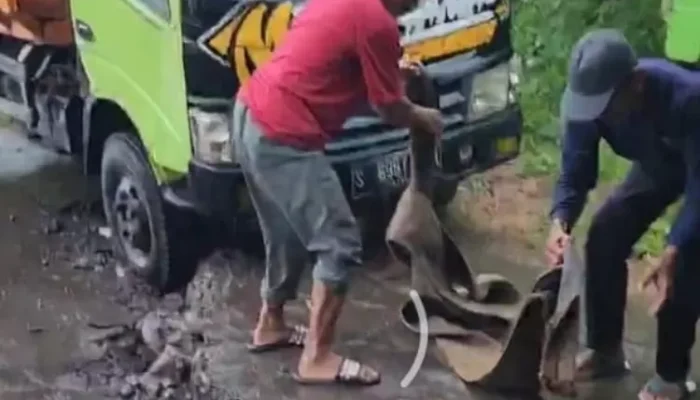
(146, 89)
(465, 46)
(682, 31)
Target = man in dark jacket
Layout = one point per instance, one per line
(648, 111)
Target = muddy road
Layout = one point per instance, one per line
(69, 312)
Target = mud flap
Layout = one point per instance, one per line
(486, 331)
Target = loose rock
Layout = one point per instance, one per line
(105, 232)
(127, 391)
(82, 263)
(53, 226)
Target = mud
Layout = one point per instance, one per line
(73, 320)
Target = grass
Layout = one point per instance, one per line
(544, 34)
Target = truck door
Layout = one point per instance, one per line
(683, 30)
(132, 53)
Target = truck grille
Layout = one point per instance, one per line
(367, 136)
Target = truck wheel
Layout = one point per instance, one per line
(135, 212)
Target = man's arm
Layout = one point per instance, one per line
(687, 223)
(404, 113)
(579, 172)
(379, 52)
(686, 227)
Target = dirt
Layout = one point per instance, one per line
(513, 209)
(59, 299)
(508, 206)
(77, 325)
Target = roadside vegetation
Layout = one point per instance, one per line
(544, 33)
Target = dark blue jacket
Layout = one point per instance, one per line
(665, 130)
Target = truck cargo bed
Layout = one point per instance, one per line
(39, 21)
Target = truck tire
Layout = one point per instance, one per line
(136, 213)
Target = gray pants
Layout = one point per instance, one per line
(301, 208)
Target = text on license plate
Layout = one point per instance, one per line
(393, 169)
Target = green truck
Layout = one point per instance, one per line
(682, 31)
(142, 97)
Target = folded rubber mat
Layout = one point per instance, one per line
(488, 332)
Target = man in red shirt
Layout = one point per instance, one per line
(337, 56)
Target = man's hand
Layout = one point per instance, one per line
(428, 119)
(658, 283)
(407, 114)
(410, 68)
(556, 244)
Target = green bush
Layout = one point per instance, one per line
(544, 33)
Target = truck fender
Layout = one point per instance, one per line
(101, 118)
(88, 105)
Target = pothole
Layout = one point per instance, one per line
(164, 352)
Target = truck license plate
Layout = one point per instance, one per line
(393, 169)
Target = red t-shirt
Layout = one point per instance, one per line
(337, 55)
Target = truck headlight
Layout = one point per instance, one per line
(490, 92)
(211, 137)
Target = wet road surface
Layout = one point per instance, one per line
(56, 278)
(44, 301)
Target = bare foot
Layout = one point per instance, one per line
(271, 328)
(319, 368)
(318, 365)
(272, 332)
(293, 337)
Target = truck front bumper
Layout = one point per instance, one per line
(219, 191)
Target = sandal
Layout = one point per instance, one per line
(296, 338)
(659, 389)
(350, 372)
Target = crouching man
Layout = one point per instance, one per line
(337, 56)
(648, 111)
